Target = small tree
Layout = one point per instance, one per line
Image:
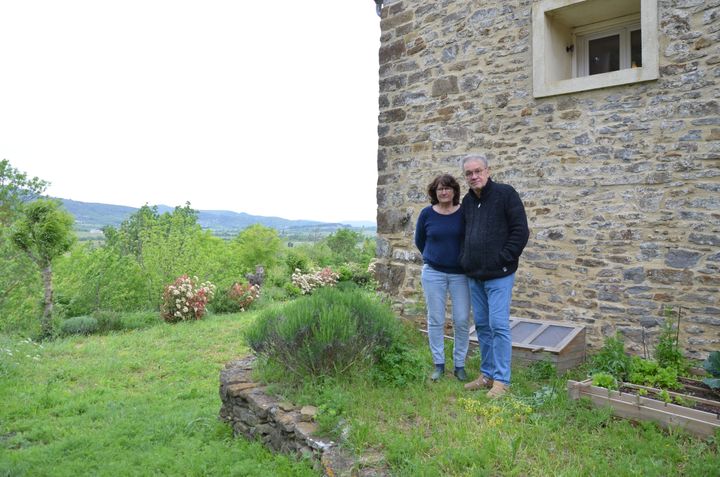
(44, 232)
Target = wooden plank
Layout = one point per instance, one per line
(639, 407)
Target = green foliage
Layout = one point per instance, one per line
(398, 365)
(667, 351)
(612, 358)
(651, 373)
(44, 232)
(92, 278)
(239, 297)
(358, 274)
(297, 259)
(712, 366)
(258, 245)
(343, 245)
(605, 380)
(16, 189)
(323, 334)
(79, 325)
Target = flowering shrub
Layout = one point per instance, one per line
(185, 299)
(244, 294)
(307, 282)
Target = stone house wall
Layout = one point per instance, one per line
(621, 185)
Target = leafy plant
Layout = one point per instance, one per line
(667, 351)
(712, 366)
(604, 380)
(612, 358)
(398, 365)
(79, 325)
(323, 334)
(651, 373)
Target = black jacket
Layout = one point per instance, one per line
(496, 231)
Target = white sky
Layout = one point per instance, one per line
(267, 107)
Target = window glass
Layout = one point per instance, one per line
(604, 54)
(635, 49)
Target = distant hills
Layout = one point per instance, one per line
(91, 217)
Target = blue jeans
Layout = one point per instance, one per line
(491, 310)
(436, 286)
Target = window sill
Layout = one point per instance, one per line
(604, 80)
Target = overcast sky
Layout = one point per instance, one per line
(268, 107)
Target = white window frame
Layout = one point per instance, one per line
(555, 71)
(584, 35)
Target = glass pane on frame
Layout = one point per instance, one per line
(604, 54)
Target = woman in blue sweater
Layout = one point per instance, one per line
(438, 235)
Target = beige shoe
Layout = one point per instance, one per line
(498, 390)
(481, 382)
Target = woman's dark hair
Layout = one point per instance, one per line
(445, 180)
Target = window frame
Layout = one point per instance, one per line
(585, 34)
(555, 67)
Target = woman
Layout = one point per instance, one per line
(438, 235)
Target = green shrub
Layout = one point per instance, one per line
(79, 325)
(612, 359)
(398, 365)
(323, 334)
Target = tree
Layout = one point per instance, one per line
(258, 245)
(343, 243)
(44, 232)
(15, 189)
(17, 281)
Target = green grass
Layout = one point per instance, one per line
(439, 429)
(145, 402)
(137, 403)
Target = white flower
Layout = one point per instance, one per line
(185, 309)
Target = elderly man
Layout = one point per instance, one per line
(496, 232)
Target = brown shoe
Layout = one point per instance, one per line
(481, 382)
(498, 390)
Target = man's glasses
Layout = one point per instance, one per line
(476, 172)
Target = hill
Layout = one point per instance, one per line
(92, 217)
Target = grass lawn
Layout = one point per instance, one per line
(138, 403)
(146, 402)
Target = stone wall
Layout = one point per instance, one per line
(621, 185)
(283, 427)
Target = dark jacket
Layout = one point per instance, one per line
(496, 231)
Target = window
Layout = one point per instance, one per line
(581, 45)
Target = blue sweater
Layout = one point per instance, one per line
(439, 238)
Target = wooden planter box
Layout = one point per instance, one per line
(634, 406)
(560, 343)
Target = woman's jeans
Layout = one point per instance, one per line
(491, 310)
(436, 286)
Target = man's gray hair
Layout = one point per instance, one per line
(473, 157)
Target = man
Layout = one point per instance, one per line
(496, 232)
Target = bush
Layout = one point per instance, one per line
(235, 299)
(358, 274)
(79, 325)
(185, 299)
(307, 282)
(324, 334)
(398, 365)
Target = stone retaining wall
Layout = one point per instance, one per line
(280, 425)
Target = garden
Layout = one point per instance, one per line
(111, 367)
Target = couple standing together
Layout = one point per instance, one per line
(471, 251)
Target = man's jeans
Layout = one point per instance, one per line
(491, 310)
(436, 286)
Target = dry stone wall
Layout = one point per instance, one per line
(621, 185)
